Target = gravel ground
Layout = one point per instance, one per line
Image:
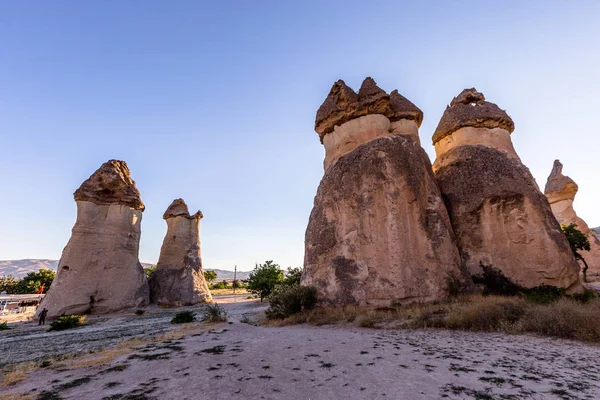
(240, 360)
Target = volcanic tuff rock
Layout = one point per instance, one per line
(379, 231)
(343, 104)
(560, 191)
(499, 215)
(99, 271)
(111, 184)
(178, 279)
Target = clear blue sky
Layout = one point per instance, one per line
(215, 102)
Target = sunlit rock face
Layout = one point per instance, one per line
(379, 231)
(99, 271)
(178, 279)
(498, 213)
(560, 191)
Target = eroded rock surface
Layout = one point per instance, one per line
(560, 191)
(343, 104)
(379, 231)
(498, 213)
(178, 279)
(99, 271)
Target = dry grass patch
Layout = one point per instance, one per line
(17, 396)
(565, 318)
(17, 373)
(223, 292)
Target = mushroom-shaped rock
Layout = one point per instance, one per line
(343, 104)
(379, 231)
(469, 108)
(99, 271)
(498, 213)
(178, 279)
(560, 191)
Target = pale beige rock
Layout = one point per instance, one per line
(348, 136)
(178, 279)
(496, 138)
(498, 213)
(99, 271)
(560, 191)
(379, 232)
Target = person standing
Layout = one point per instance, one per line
(43, 316)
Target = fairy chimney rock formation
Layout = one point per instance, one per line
(99, 271)
(379, 231)
(178, 279)
(560, 191)
(499, 215)
(346, 120)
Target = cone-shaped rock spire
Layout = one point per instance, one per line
(499, 216)
(178, 279)
(560, 191)
(559, 187)
(99, 271)
(379, 231)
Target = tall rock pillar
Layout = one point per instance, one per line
(560, 191)
(499, 215)
(178, 279)
(379, 231)
(99, 271)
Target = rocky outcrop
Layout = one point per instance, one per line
(560, 191)
(498, 213)
(379, 231)
(178, 279)
(99, 271)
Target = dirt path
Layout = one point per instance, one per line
(239, 360)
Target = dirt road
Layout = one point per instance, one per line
(238, 360)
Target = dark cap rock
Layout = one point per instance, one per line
(469, 108)
(178, 208)
(110, 184)
(343, 104)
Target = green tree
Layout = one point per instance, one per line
(149, 271)
(33, 281)
(8, 284)
(292, 276)
(578, 242)
(210, 276)
(263, 278)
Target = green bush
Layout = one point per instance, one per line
(495, 283)
(184, 317)
(210, 276)
(264, 278)
(4, 326)
(67, 322)
(289, 300)
(214, 313)
(139, 312)
(221, 285)
(586, 296)
(544, 294)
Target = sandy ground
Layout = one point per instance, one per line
(239, 360)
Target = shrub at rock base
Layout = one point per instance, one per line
(289, 300)
(214, 313)
(184, 317)
(67, 322)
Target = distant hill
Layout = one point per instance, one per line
(20, 268)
